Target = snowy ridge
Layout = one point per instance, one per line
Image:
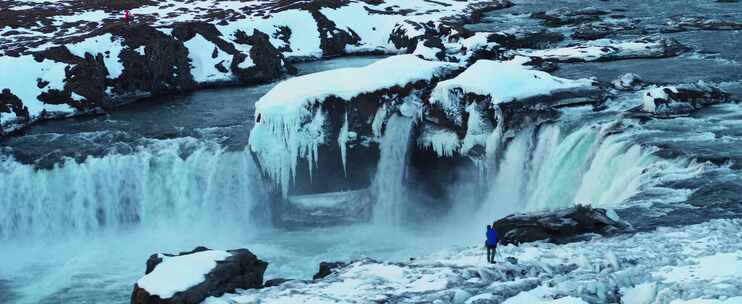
(663, 266)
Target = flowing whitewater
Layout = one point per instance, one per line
(550, 167)
(180, 182)
(388, 184)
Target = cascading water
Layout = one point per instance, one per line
(182, 182)
(544, 169)
(388, 183)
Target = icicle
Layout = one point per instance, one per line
(377, 125)
(343, 143)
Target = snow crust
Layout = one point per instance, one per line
(688, 264)
(176, 274)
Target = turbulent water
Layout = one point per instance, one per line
(83, 202)
(170, 182)
(388, 183)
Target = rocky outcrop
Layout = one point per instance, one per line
(608, 50)
(327, 268)
(561, 226)
(223, 272)
(681, 99)
(562, 17)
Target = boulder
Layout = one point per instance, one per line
(209, 273)
(561, 226)
(276, 282)
(327, 268)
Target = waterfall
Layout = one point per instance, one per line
(173, 183)
(388, 184)
(545, 169)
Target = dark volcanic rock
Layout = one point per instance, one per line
(88, 79)
(327, 268)
(242, 270)
(163, 69)
(11, 103)
(526, 39)
(562, 226)
(276, 282)
(562, 17)
(268, 62)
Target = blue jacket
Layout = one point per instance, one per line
(491, 237)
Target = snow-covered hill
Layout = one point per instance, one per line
(61, 58)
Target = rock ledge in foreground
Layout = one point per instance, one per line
(560, 226)
(191, 277)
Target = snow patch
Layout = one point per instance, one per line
(178, 273)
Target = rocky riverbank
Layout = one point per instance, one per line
(77, 57)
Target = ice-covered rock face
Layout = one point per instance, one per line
(300, 115)
(304, 119)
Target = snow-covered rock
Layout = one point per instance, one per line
(681, 99)
(301, 114)
(191, 277)
(556, 226)
(627, 82)
(496, 83)
(502, 94)
(607, 50)
(687, 264)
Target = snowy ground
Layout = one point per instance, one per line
(692, 264)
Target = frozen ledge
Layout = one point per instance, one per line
(290, 119)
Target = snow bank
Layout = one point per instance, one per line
(178, 273)
(23, 81)
(291, 126)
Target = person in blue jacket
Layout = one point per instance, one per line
(491, 243)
